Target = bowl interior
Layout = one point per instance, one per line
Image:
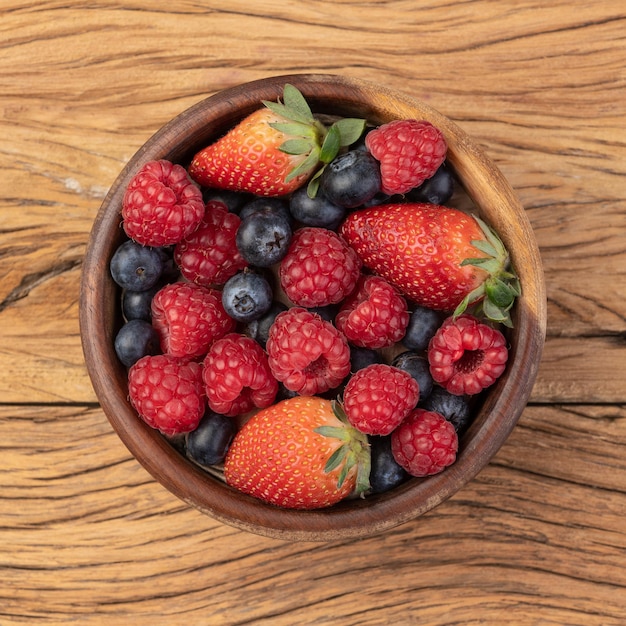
(493, 199)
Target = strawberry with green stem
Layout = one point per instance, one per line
(439, 257)
(300, 453)
(274, 150)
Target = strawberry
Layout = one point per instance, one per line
(300, 453)
(440, 258)
(274, 150)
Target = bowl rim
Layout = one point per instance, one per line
(504, 403)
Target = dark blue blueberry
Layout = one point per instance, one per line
(137, 305)
(328, 313)
(171, 271)
(134, 340)
(259, 329)
(456, 409)
(423, 325)
(351, 179)
(437, 189)
(284, 393)
(136, 267)
(234, 200)
(317, 211)
(385, 473)
(382, 198)
(263, 237)
(361, 358)
(208, 444)
(247, 296)
(267, 205)
(417, 366)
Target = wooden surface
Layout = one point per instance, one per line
(88, 537)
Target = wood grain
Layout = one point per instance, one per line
(539, 533)
(88, 537)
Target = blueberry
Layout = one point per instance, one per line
(423, 325)
(208, 444)
(171, 271)
(259, 329)
(317, 211)
(360, 358)
(234, 200)
(385, 473)
(328, 313)
(279, 206)
(437, 189)
(137, 305)
(284, 393)
(134, 340)
(417, 365)
(351, 179)
(247, 296)
(456, 409)
(263, 237)
(136, 267)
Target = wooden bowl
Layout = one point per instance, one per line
(496, 203)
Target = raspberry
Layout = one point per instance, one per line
(319, 268)
(378, 397)
(167, 393)
(425, 443)
(466, 356)
(409, 151)
(161, 205)
(237, 377)
(374, 316)
(209, 256)
(189, 318)
(307, 354)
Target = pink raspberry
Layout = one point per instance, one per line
(374, 316)
(307, 354)
(466, 356)
(237, 376)
(161, 205)
(209, 256)
(409, 151)
(378, 397)
(425, 443)
(319, 268)
(189, 318)
(167, 393)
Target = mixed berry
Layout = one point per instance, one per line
(305, 310)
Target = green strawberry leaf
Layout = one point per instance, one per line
(491, 265)
(485, 246)
(295, 129)
(335, 459)
(493, 311)
(499, 293)
(334, 432)
(296, 146)
(296, 103)
(306, 166)
(314, 183)
(350, 129)
(331, 145)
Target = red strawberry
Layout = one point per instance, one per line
(439, 257)
(299, 454)
(274, 150)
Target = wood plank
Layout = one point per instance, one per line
(537, 537)
(68, 134)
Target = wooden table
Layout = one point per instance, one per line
(88, 537)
